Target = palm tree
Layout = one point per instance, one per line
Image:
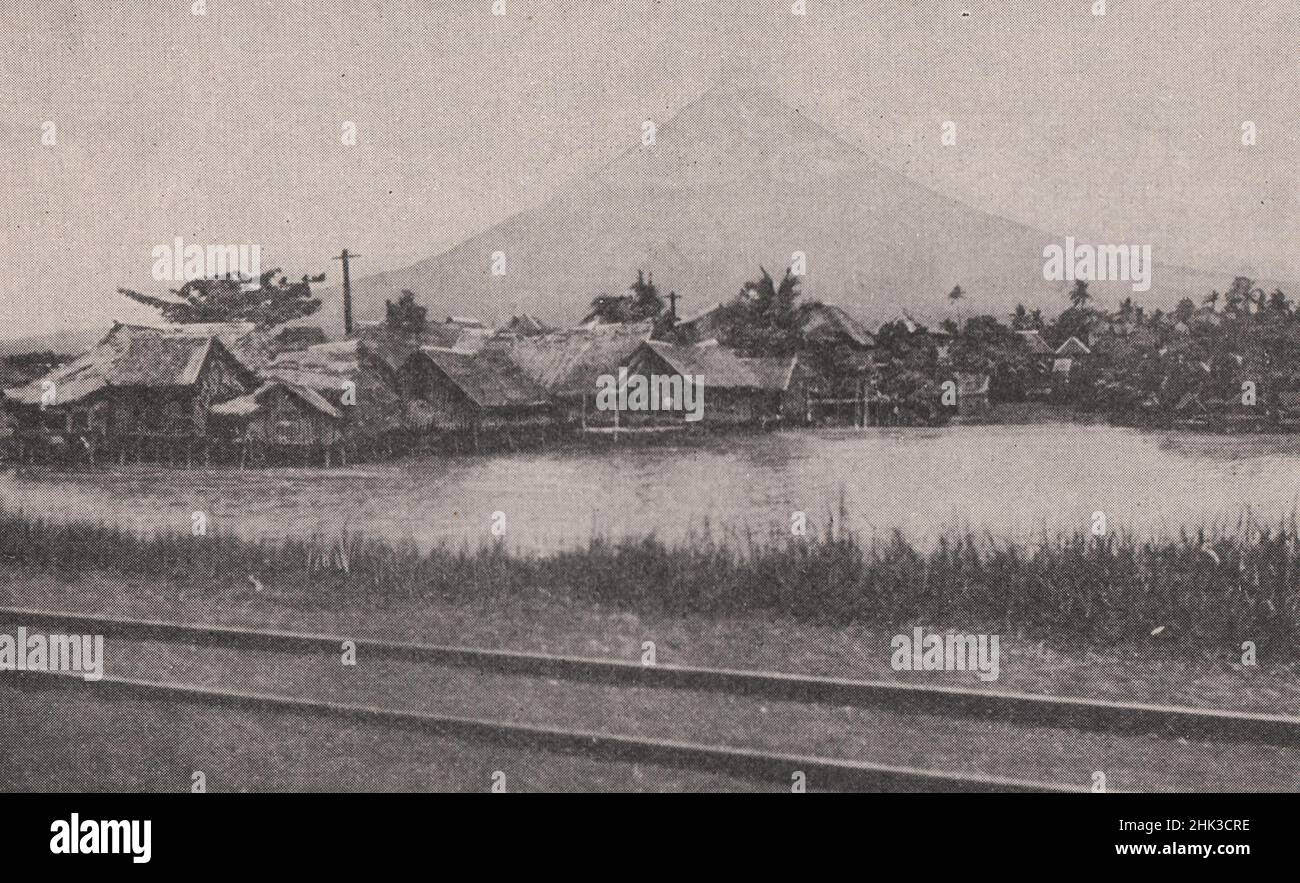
(1079, 295)
(1232, 301)
(1243, 293)
(956, 296)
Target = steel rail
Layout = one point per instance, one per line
(821, 773)
(1091, 715)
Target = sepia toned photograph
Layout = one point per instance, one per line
(510, 396)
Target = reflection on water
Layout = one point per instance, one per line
(1004, 481)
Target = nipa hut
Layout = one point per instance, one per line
(568, 364)
(141, 393)
(282, 421)
(357, 383)
(737, 390)
(462, 396)
(394, 346)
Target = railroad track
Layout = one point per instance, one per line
(821, 772)
(1091, 715)
(1041, 711)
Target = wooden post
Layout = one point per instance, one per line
(347, 290)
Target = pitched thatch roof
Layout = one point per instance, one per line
(128, 356)
(825, 322)
(249, 404)
(298, 337)
(1073, 347)
(322, 366)
(1034, 340)
(489, 378)
(395, 347)
(328, 368)
(722, 368)
(567, 363)
(526, 324)
(249, 343)
(919, 323)
(81, 377)
(701, 325)
(253, 345)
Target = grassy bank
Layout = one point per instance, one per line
(1202, 591)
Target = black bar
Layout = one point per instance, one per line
(984, 834)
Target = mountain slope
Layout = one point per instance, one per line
(735, 180)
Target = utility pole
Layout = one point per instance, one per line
(672, 305)
(347, 290)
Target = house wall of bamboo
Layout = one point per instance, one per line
(454, 411)
(285, 419)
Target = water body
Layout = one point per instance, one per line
(1005, 481)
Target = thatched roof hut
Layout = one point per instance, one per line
(282, 413)
(137, 381)
(128, 356)
(1072, 348)
(567, 363)
(1033, 339)
(468, 391)
(735, 389)
(720, 367)
(351, 378)
(828, 324)
(394, 346)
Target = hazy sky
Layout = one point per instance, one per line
(226, 128)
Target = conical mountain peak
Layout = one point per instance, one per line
(738, 178)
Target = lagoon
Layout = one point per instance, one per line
(1007, 482)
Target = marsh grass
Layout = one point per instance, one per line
(1207, 588)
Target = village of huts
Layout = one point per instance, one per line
(239, 393)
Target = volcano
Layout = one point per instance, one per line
(738, 179)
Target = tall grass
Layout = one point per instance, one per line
(1208, 589)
